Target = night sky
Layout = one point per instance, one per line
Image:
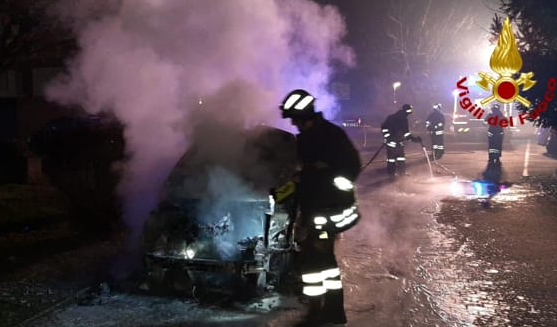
(425, 44)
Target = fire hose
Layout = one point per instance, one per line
(287, 190)
(435, 162)
(373, 158)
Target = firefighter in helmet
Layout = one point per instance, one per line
(395, 132)
(435, 124)
(495, 135)
(330, 165)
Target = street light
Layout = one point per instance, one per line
(395, 86)
(455, 95)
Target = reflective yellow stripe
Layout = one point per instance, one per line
(314, 290)
(291, 100)
(303, 103)
(319, 220)
(323, 236)
(284, 191)
(332, 284)
(337, 218)
(330, 273)
(313, 278)
(347, 220)
(343, 183)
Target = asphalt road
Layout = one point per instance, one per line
(421, 256)
(433, 257)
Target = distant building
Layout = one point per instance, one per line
(23, 109)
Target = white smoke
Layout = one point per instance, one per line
(151, 61)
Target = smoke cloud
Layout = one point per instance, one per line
(153, 62)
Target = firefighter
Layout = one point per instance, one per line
(395, 132)
(495, 135)
(435, 124)
(330, 165)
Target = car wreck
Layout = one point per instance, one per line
(217, 233)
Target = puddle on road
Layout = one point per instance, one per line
(446, 284)
(516, 194)
(509, 195)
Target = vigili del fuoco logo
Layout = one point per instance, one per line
(505, 61)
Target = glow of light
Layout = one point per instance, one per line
(478, 189)
(396, 85)
(456, 189)
(271, 204)
(485, 53)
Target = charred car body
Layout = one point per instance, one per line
(216, 230)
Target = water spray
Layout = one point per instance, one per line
(436, 163)
(427, 158)
(444, 168)
(433, 162)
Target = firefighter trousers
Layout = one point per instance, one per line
(495, 146)
(437, 144)
(396, 161)
(321, 280)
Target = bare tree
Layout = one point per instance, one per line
(28, 36)
(426, 32)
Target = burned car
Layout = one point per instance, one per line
(216, 230)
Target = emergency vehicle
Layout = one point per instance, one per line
(466, 127)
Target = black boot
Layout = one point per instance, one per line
(438, 154)
(391, 169)
(333, 308)
(401, 168)
(313, 317)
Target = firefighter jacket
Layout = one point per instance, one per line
(495, 129)
(435, 122)
(326, 154)
(395, 127)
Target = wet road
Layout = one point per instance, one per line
(420, 257)
(426, 258)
